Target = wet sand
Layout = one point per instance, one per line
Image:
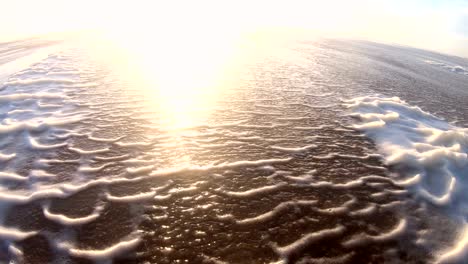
(265, 167)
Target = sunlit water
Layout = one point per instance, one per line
(257, 151)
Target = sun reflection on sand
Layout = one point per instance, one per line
(184, 78)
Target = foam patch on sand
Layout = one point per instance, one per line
(286, 251)
(428, 148)
(105, 254)
(68, 221)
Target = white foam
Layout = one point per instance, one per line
(112, 158)
(275, 211)
(68, 221)
(406, 135)
(40, 174)
(350, 184)
(91, 137)
(88, 152)
(256, 191)
(311, 127)
(44, 105)
(347, 156)
(305, 178)
(22, 96)
(459, 253)
(102, 254)
(12, 234)
(33, 143)
(89, 169)
(434, 149)
(308, 239)
(162, 197)
(41, 81)
(133, 144)
(47, 162)
(293, 118)
(6, 157)
(4, 175)
(294, 149)
(370, 209)
(338, 210)
(19, 111)
(224, 165)
(67, 135)
(138, 170)
(15, 253)
(40, 123)
(22, 197)
(364, 239)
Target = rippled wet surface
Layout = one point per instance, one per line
(262, 166)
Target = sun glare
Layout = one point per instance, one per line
(179, 65)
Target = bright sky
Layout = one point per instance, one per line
(440, 25)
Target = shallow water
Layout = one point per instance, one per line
(277, 159)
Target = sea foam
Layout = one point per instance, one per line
(429, 149)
